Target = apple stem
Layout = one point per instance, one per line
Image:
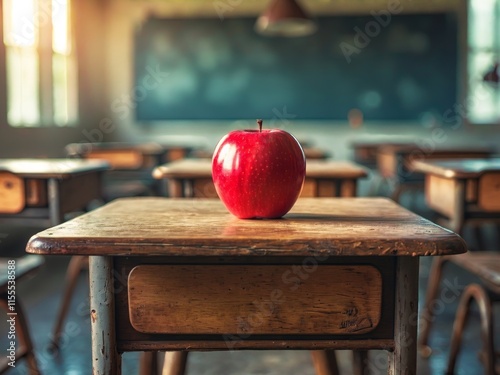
(260, 125)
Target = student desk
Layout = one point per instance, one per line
(44, 190)
(193, 178)
(311, 153)
(184, 274)
(365, 149)
(460, 191)
(396, 162)
(131, 164)
(41, 192)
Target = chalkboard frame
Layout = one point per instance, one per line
(430, 56)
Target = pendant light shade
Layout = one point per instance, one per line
(284, 18)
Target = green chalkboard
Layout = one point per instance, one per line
(204, 68)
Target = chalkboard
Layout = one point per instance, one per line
(204, 68)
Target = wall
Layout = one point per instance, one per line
(105, 31)
(123, 16)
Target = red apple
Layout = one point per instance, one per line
(258, 173)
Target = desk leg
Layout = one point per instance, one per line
(55, 213)
(404, 358)
(105, 358)
(175, 188)
(348, 188)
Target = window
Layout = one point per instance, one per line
(40, 62)
(483, 53)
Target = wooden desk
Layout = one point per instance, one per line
(129, 155)
(193, 178)
(311, 153)
(131, 164)
(38, 190)
(396, 163)
(41, 192)
(462, 190)
(182, 274)
(366, 149)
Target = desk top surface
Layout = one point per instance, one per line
(440, 151)
(460, 168)
(145, 148)
(51, 168)
(203, 227)
(202, 168)
(382, 140)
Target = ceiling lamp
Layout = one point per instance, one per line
(284, 18)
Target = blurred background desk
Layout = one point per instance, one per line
(395, 163)
(193, 178)
(37, 193)
(462, 191)
(366, 149)
(131, 164)
(35, 190)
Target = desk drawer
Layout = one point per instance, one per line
(256, 299)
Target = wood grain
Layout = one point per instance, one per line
(12, 193)
(195, 227)
(130, 339)
(237, 299)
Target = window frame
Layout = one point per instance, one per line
(45, 54)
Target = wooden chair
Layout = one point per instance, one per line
(23, 267)
(486, 266)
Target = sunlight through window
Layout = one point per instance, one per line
(63, 65)
(33, 97)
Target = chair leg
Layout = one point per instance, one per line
(325, 362)
(175, 363)
(427, 315)
(360, 360)
(76, 265)
(473, 292)
(22, 330)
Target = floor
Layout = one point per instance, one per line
(41, 296)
